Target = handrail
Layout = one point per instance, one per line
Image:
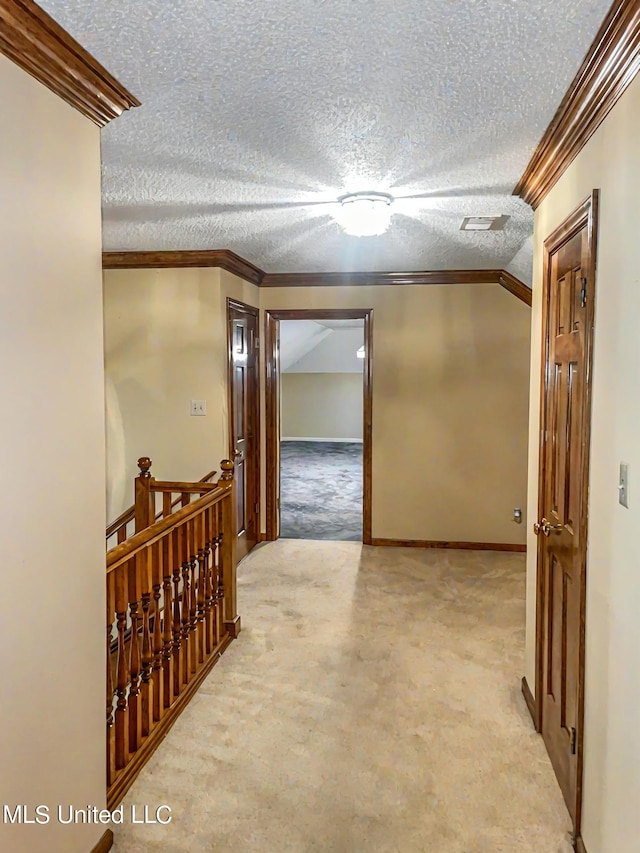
(171, 602)
(129, 514)
(179, 486)
(119, 554)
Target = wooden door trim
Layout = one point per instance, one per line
(272, 406)
(233, 304)
(586, 214)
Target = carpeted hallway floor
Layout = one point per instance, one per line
(321, 490)
(372, 703)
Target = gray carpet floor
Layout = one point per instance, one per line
(321, 490)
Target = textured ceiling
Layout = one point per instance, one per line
(253, 110)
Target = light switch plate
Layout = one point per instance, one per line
(198, 408)
(623, 485)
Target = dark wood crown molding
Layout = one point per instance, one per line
(611, 64)
(227, 260)
(40, 46)
(223, 258)
(515, 286)
(361, 279)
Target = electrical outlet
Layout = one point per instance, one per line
(198, 408)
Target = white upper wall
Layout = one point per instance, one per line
(330, 350)
(297, 338)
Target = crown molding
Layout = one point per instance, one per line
(611, 64)
(42, 48)
(223, 258)
(369, 279)
(515, 286)
(228, 260)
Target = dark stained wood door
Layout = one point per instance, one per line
(561, 525)
(244, 420)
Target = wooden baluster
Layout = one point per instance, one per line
(228, 549)
(144, 497)
(185, 499)
(167, 616)
(193, 598)
(215, 575)
(186, 604)
(216, 580)
(209, 613)
(166, 504)
(122, 534)
(111, 765)
(200, 633)
(143, 569)
(178, 651)
(223, 626)
(122, 670)
(157, 573)
(135, 659)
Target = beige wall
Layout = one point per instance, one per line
(322, 405)
(52, 654)
(451, 373)
(166, 344)
(611, 822)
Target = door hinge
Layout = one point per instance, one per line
(583, 293)
(256, 509)
(572, 740)
(256, 342)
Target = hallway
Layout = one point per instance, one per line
(371, 703)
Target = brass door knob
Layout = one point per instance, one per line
(546, 528)
(236, 453)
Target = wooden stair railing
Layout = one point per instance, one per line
(128, 522)
(171, 598)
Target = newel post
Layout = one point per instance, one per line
(145, 509)
(228, 549)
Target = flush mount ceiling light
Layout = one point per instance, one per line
(365, 214)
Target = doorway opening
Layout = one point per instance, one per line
(318, 411)
(321, 369)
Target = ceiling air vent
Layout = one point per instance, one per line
(483, 223)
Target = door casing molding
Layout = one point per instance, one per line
(272, 407)
(586, 214)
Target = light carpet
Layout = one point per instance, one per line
(371, 703)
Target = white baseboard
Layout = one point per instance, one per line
(335, 440)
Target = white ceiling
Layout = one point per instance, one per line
(253, 110)
(321, 346)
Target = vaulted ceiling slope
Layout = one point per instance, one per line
(257, 114)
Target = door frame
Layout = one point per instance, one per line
(234, 304)
(272, 407)
(586, 214)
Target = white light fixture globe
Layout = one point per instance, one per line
(365, 214)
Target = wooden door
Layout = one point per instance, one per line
(244, 420)
(562, 524)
